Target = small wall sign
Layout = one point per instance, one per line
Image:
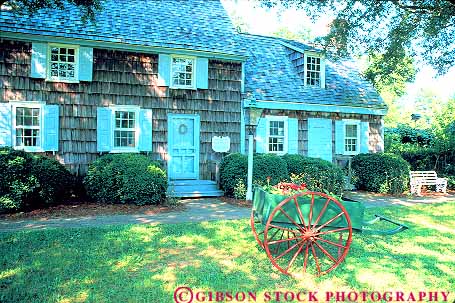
(221, 144)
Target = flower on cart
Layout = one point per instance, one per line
(285, 189)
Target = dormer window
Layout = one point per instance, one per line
(314, 70)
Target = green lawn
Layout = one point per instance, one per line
(146, 263)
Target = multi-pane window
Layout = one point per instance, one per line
(313, 71)
(63, 63)
(182, 72)
(276, 137)
(351, 138)
(125, 129)
(27, 126)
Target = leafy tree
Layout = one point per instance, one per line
(394, 29)
(444, 126)
(87, 7)
(302, 35)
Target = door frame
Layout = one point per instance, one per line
(197, 123)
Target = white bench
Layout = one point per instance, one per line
(419, 178)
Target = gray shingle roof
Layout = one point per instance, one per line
(189, 24)
(271, 76)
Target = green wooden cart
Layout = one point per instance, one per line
(308, 231)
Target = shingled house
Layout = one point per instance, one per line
(311, 105)
(144, 78)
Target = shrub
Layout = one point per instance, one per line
(29, 181)
(269, 167)
(380, 172)
(126, 178)
(233, 167)
(240, 190)
(317, 174)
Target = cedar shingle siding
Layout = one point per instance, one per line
(126, 78)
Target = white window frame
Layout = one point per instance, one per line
(28, 104)
(321, 72)
(286, 136)
(76, 63)
(126, 108)
(357, 146)
(193, 79)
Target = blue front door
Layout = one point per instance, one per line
(183, 146)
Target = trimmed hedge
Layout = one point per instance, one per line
(126, 178)
(269, 166)
(380, 172)
(233, 168)
(317, 174)
(30, 181)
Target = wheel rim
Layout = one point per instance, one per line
(257, 228)
(308, 241)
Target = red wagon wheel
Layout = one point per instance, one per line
(258, 229)
(314, 234)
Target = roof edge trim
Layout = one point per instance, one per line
(120, 46)
(315, 107)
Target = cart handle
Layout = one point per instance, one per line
(401, 226)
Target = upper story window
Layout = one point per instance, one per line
(314, 70)
(126, 128)
(182, 75)
(351, 138)
(63, 63)
(276, 135)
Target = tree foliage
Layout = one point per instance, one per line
(394, 29)
(88, 8)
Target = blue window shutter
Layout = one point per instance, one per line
(85, 63)
(320, 138)
(103, 129)
(364, 137)
(5, 124)
(261, 136)
(339, 137)
(202, 73)
(39, 60)
(146, 125)
(293, 136)
(164, 70)
(50, 128)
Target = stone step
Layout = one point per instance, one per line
(197, 194)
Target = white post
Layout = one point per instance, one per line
(249, 191)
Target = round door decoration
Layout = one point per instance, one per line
(183, 129)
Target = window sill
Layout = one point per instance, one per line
(126, 150)
(62, 81)
(183, 87)
(30, 149)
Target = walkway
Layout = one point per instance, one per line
(198, 210)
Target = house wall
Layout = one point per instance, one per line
(375, 126)
(126, 78)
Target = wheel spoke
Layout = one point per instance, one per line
(287, 250)
(280, 227)
(279, 244)
(310, 215)
(331, 242)
(292, 220)
(276, 231)
(330, 221)
(325, 252)
(322, 212)
(331, 231)
(283, 240)
(299, 211)
(294, 258)
(313, 251)
(305, 261)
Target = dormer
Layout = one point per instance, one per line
(309, 63)
(314, 70)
